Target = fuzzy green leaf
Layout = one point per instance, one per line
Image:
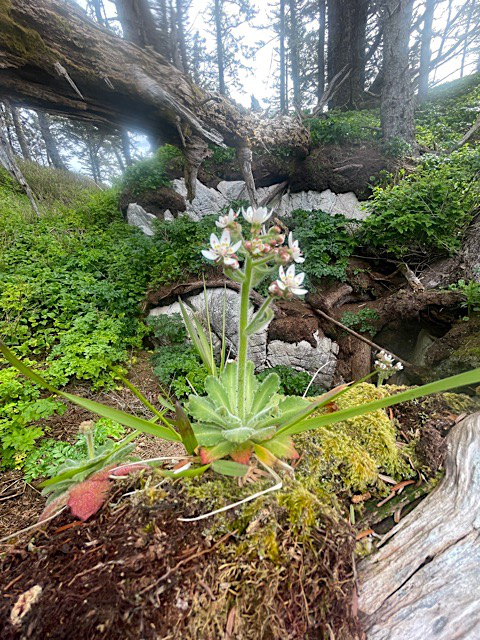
(229, 468)
(204, 411)
(264, 394)
(238, 434)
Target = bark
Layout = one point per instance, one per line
(174, 43)
(397, 102)
(138, 24)
(321, 50)
(283, 65)
(424, 582)
(50, 144)
(219, 43)
(8, 162)
(425, 50)
(294, 38)
(121, 84)
(22, 141)
(347, 24)
(182, 41)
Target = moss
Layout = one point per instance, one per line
(18, 39)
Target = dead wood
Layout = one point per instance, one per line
(423, 583)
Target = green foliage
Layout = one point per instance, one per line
(326, 242)
(292, 382)
(449, 113)
(338, 127)
(90, 349)
(425, 213)
(21, 405)
(219, 158)
(178, 244)
(179, 368)
(471, 292)
(44, 460)
(54, 187)
(167, 330)
(152, 173)
(361, 321)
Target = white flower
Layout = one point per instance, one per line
(290, 282)
(297, 253)
(223, 250)
(256, 216)
(385, 363)
(225, 221)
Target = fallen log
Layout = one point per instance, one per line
(423, 583)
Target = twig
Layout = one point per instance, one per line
(33, 526)
(360, 337)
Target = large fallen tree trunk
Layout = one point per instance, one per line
(52, 56)
(424, 583)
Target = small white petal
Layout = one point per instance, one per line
(299, 292)
(291, 271)
(235, 247)
(209, 254)
(225, 239)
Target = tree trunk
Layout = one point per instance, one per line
(219, 41)
(8, 162)
(321, 50)
(283, 66)
(97, 6)
(423, 584)
(174, 43)
(425, 51)
(126, 147)
(182, 41)
(50, 144)
(121, 85)
(22, 141)
(138, 24)
(397, 102)
(347, 24)
(294, 57)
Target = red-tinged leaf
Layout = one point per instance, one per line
(242, 453)
(126, 469)
(265, 456)
(54, 506)
(209, 454)
(86, 498)
(281, 447)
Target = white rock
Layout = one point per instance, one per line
(346, 204)
(303, 357)
(138, 217)
(207, 201)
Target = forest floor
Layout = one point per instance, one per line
(21, 503)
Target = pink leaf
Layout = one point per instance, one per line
(86, 498)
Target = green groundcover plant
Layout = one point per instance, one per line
(239, 420)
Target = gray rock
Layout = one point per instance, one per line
(303, 357)
(138, 217)
(216, 297)
(346, 204)
(206, 201)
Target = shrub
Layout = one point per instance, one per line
(344, 126)
(361, 321)
(292, 382)
(326, 242)
(471, 294)
(179, 368)
(21, 405)
(178, 245)
(153, 172)
(426, 213)
(167, 330)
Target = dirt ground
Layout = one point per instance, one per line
(21, 503)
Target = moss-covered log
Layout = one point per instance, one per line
(53, 57)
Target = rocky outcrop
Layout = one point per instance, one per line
(138, 217)
(318, 354)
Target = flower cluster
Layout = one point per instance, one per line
(385, 366)
(264, 246)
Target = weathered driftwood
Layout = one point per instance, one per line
(424, 583)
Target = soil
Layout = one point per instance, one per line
(130, 573)
(155, 201)
(20, 511)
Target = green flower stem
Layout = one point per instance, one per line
(90, 444)
(242, 336)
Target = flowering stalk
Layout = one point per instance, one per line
(242, 333)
